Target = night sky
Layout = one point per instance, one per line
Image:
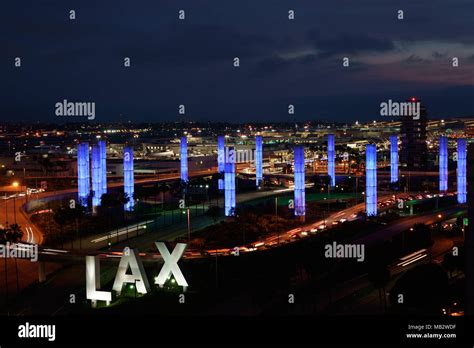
(190, 62)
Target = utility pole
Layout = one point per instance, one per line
(357, 185)
(6, 283)
(6, 211)
(276, 218)
(329, 188)
(189, 226)
(14, 207)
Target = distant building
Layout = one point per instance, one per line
(414, 150)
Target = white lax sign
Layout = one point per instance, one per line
(131, 260)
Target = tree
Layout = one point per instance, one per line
(394, 186)
(379, 277)
(423, 289)
(16, 234)
(449, 263)
(110, 200)
(379, 272)
(12, 234)
(61, 217)
(421, 236)
(214, 213)
(142, 192)
(3, 236)
(76, 214)
(45, 164)
(64, 216)
(315, 180)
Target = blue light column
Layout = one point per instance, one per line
(299, 179)
(96, 176)
(229, 182)
(393, 158)
(103, 165)
(220, 159)
(258, 160)
(461, 175)
(371, 180)
(83, 176)
(331, 170)
(128, 179)
(443, 164)
(184, 159)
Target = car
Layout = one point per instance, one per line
(343, 220)
(313, 230)
(322, 227)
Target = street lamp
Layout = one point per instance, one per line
(14, 184)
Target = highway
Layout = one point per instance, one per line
(75, 258)
(11, 212)
(11, 209)
(33, 235)
(408, 222)
(272, 240)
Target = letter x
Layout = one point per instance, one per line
(171, 264)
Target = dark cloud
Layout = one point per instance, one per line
(206, 44)
(272, 65)
(349, 44)
(414, 59)
(438, 55)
